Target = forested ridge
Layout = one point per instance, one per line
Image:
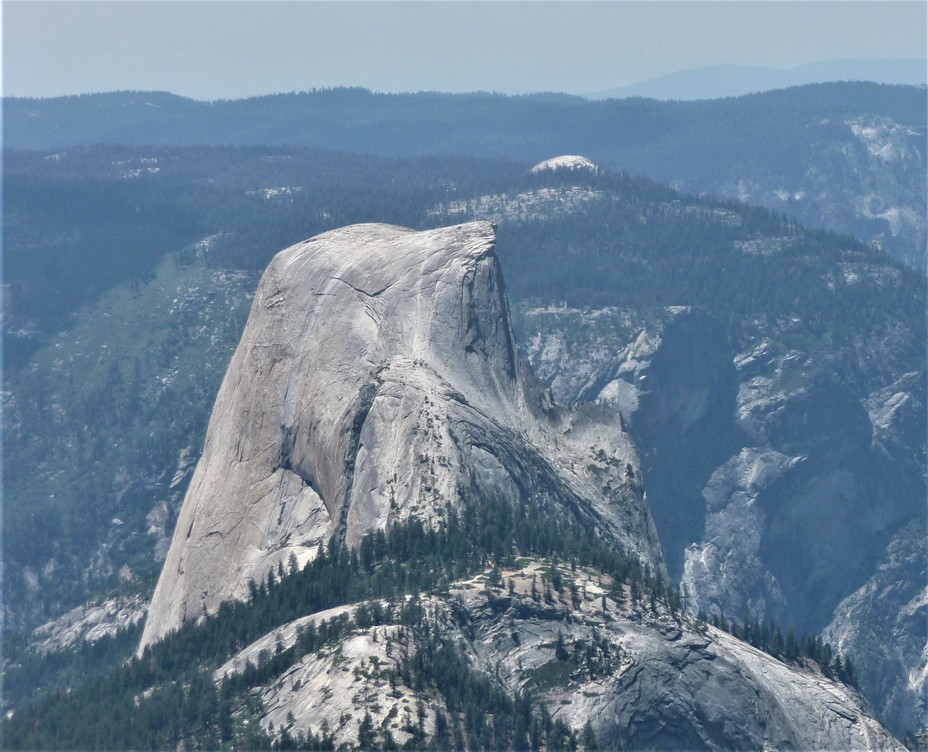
(169, 695)
(166, 244)
(848, 156)
(636, 245)
(81, 223)
(436, 123)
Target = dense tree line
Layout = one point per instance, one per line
(767, 636)
(29, 673)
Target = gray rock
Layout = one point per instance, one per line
(377, 380)
(724, 572)
(673, 380)
(783, 504)
(88, 623)
(644, 678)
(527, 206)
(884, 626)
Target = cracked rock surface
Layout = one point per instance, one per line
(377, 380)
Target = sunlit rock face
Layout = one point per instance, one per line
(566, 162)
(643, 677)
(377, 380)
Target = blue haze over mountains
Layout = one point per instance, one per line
(727, 80)
(136, 224)
(846, 156)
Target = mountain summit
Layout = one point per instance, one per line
(566, 162)
(377, 423)
(377, 381)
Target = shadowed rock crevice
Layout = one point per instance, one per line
(685, 426)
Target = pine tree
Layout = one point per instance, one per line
(366, 739)
(588, 738)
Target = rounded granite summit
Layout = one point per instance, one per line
(568, 162)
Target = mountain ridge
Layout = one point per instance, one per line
(845, 156)
(730, 80)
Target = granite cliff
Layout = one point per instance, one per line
(376, 383)
(377, 380)
(782, 486)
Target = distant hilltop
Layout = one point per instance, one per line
(718, 81)
(566, 162)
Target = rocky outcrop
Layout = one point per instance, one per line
(884, 625)
(377, 380)
(645, 678)
(675, 386)
(88, 624)
(569, 162)
(538, 205)
(780, 484)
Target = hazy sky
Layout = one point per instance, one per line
(221, 49)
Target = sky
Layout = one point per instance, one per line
(221, 49)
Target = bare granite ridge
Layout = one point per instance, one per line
(643, 676)
(377, 380)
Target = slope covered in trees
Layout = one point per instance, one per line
(102, 423)
(169, 695)
(846, 156)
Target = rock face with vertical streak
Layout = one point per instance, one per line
(377, 380)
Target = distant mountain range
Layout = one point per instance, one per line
(717, 81)
(845, 156)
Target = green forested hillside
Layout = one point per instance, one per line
(78, 223)
(170, 695)
(128, 273)
(846, 156)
